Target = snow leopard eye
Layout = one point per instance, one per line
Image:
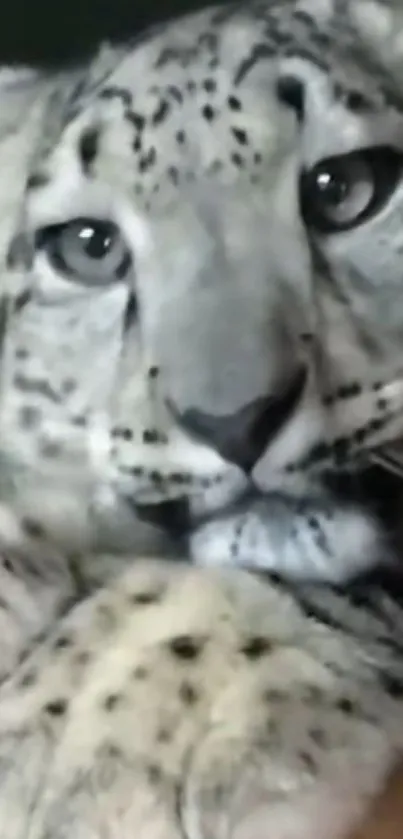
(86, 250)
(340, 193)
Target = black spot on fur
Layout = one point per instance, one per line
(38, 180)
(166, 56)
(34, 529)
(111, 701)
(179, 478)
(82, 658)
(22, 300)
(137, 471)
(145, 598)
(185, 647)
(140, 673)
(210, 85)
(240, 136)
(346, 705)
(137, 120)
(117, 93)
(37, 386)
(175, 93)
(29, 416)
(188, 694)
(273, 695)
(79, 421)
(150, 435)
(259, 52)
(349, 391)
(234, 103)
(88, 148)
(173, 174)
(237, 160)
(50, 448)
(164, 735)
(137, 143)
(308, 761)
(208, 113)
(161, 113)
(378, 424)
(28, 679)
(147, 160)
(56, 708)
(62, 643)
(8, 564)
(256, 646)
(154, 773)
(4, 319)
(68, 386)
(392, 685)
(113, 751)
(120, 433)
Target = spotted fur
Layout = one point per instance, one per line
(215, 393)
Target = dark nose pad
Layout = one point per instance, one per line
(244, 436)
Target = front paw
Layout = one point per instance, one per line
(308, 773)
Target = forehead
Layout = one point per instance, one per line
(206, 95)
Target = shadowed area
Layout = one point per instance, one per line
(46, 32)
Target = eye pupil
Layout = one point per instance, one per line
(332, 187)
(340, 193)
(97, 241)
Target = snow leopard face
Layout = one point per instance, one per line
(203, 284)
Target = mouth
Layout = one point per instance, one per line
(178, 515)
(171, 516)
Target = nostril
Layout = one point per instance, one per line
(242, 437)
(272, 416)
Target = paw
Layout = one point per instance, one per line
(309, 774)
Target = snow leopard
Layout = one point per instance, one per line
(201, 600)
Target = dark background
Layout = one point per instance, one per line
(55, 31)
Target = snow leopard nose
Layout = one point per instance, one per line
(243, 437)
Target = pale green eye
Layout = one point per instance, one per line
(340, 193)
(88, 251)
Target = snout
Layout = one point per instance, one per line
(242, 437)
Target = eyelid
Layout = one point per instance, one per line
(59, 203)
